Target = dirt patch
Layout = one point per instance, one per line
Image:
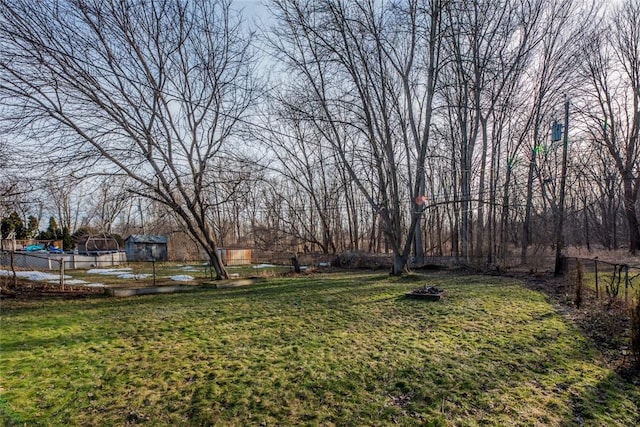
(25, 289)
(604, 322)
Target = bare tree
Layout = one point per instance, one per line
(14, 189)
(102, 208)
(490, 44)
(613, 70)
(599, 189)
(551, 77)
(6, 189)
(66, 198)
(301, 155)
(369, 72)
(154, 91)
(606, 196)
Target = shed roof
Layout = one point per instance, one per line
(144, 238)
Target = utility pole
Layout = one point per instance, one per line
(563, 183)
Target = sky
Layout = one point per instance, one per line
(252, 9)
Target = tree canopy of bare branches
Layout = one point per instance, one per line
(613, 109)
(373, 106)
(154, 91)
(365, 77)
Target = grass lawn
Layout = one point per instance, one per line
(319, 350)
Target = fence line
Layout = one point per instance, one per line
(113, 270)
(611, 278)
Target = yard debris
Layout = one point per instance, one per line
(431, 290)
(426, 292)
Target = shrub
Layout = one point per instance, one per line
(613, 288)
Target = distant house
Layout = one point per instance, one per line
(139, 247)
(95, 244)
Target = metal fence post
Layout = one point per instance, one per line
(13, 269)
(595, 261)
(62, 273)
(626, 283)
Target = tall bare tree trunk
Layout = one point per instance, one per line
(630, 202)
(480, 231)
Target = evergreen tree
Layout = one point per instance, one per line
(32, 227)
(52, 232)
(13, 223)
(67, 241)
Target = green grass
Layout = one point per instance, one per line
(320, 350)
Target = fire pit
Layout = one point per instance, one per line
(430, 293)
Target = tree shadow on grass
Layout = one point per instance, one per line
(308, 284)
(612, 401)
(31, 344)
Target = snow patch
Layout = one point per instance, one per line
(120, 273)
(36, 276)
(133, 276)
(109, 271)
(264, 266)
(71, 282)
(182, 278)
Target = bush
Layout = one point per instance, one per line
(613, 288)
